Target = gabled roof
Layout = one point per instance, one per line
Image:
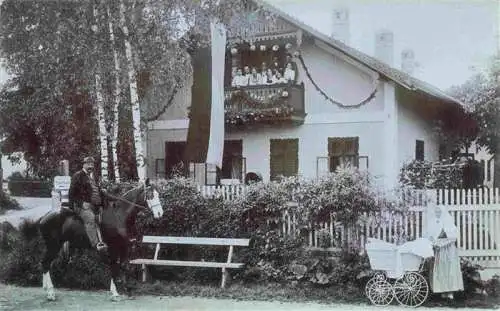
(401, 78)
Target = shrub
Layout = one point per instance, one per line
(9, 237)
(21, 265)
(7, 203)
(345, 197)
(435, 175)
(492, 286)
(20, 185)
(472, 278)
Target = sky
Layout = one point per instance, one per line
(449, 37)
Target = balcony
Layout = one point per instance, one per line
(264, 104)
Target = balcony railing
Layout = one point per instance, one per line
(273, 104)
(258, 26)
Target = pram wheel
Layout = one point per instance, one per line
(379, 291)
(411, 289)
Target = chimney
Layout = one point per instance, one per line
(340, 29)
(384, 47)
(408, 63)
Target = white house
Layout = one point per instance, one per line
(376, 117)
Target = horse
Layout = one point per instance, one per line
(117, 222)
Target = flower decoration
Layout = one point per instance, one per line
(284, 94)
(253, 47)
(234, 51)
(255, 109)
(288, 46)
(276, 47)
(262, 48)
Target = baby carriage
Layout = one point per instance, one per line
(398, 272)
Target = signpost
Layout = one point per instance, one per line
(60, 191)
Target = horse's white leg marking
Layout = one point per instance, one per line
(44, 281)
(114, 292)
(51, 295)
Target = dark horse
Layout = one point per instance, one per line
(116, 225)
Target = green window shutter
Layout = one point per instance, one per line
(284, 159)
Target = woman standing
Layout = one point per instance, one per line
(445, 275)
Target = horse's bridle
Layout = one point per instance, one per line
(130, 202)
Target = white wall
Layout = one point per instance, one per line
(412, 127)
(340, 80)
(313, 143)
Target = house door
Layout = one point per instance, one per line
(174, 157)
(284, 159)
(233, 163)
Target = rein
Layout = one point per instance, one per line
(126, 201)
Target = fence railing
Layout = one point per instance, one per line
(476, 214)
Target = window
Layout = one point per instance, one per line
(174, 158)
(233, 163)
(419, 150)
(284, 160)
(343, 151)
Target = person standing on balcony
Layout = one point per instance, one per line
(278, 78)
(247, 73)
(269, 79)
(275, 65)
(289, 60)
(255, 78)
(239, 79)
(445, 274)
(289, 73)
(263, 73)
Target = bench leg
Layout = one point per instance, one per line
(225, 276)
(144, 274)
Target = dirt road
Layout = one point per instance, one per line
(30, 299)
(33, 208)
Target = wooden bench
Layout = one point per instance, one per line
(158, 240)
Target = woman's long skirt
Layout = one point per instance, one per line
(446, 275)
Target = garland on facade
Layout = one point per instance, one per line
(333, 101)
(242, 108)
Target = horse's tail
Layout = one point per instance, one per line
(29, 229)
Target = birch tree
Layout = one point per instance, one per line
(101, 117)
(61, 70)
(116, 96)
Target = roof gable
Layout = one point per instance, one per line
(396, 75)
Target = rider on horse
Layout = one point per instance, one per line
(85, 198)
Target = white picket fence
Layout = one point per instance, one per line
(476, 214)
(227, 192)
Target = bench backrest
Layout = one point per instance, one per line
(194, 240)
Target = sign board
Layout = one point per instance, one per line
(62, 182)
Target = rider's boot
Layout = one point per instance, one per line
(101, 246)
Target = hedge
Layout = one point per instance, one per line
(271, 257)
(30, 188)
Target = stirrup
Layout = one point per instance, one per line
(101, 246)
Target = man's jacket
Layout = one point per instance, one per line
(80, 190)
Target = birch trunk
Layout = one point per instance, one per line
(101, 117)
(116, 105)
(103, 134)
(134, 98)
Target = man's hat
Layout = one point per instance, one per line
(89, 161)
